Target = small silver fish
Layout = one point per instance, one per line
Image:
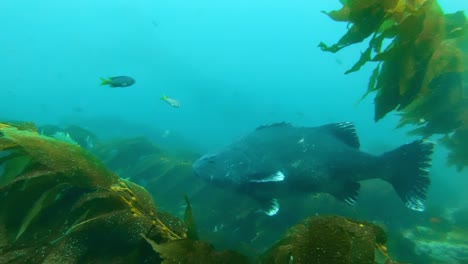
(172, 102)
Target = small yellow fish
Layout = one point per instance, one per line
(118, 81)
(172, 102)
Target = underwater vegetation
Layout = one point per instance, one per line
(159, 171)
(329, 239)
(60, 204)
(450, 246)
(422, 73)
(71, 134)
(168, 176)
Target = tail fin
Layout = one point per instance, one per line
(104, 81)
(163, 98)
(408, 172)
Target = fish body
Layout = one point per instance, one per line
(172, 102)
(280, 159)
(118, 81)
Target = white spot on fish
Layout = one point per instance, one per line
(277, 177)
(301, 141)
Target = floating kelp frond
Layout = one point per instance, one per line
(423, 72)
(457, 143)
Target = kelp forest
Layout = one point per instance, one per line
(422, 73)
(129, 200)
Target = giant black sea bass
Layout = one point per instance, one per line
(281, 159)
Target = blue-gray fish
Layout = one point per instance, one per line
(118, 81)
(280, 159)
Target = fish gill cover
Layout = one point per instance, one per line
(422, 73)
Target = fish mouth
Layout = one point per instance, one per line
(195, 172)
(204, 163)
(195, 169)
(204, 176)
(199, 169)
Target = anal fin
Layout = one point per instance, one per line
(269, 207)
(348, 192)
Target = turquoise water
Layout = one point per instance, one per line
(233, 65)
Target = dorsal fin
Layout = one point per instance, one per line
(345, 131)
(281, 124)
